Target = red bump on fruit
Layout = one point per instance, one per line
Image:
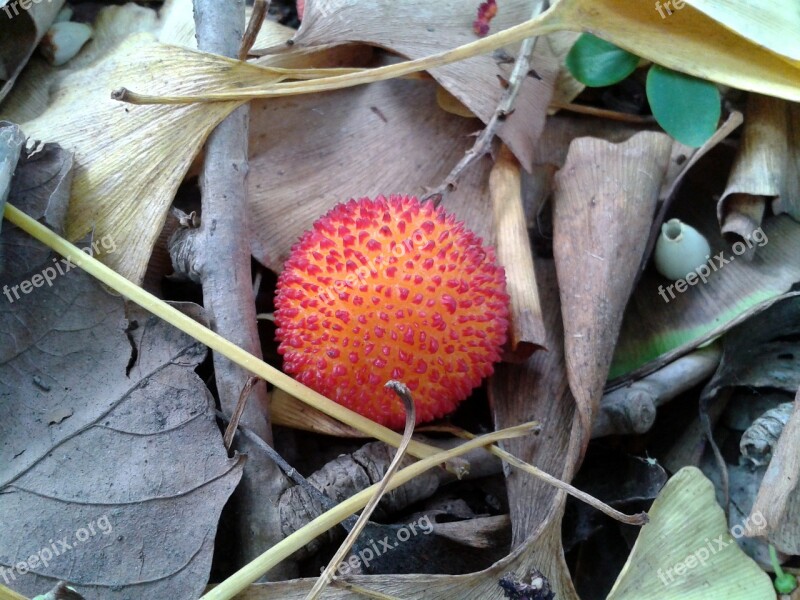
(436, 306)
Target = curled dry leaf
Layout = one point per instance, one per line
(767, 167)
(604, 202)
(416, 30)
(761, 437)
(20, 32)
(779, 495)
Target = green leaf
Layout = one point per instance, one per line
(686, 107)
(596, 63)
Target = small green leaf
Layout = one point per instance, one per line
(596, 63)
(686, 107)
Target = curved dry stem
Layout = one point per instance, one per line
(544, 23)
(411, 416)
(636, 519)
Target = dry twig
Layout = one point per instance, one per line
(483, 143)
(224, 264)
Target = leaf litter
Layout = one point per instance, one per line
(130, 394)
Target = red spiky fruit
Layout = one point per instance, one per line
(391, 289)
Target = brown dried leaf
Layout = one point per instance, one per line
(119, 460)
(416, 30)
(309, 153)
(20, 32)
(767, 167)
(605, 200)
(538, 390)
(779, 495)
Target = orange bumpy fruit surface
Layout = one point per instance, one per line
(391, 289)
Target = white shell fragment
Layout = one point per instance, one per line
(63, 41)
(680, 250)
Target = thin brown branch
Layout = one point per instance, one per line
(223, 259)
(260, 8)
(604, 113)
(505, 107)
(227, 439)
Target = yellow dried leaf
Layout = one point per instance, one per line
(686, 552)
(129, 160)
(772, 24)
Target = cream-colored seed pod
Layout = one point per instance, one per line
(680, 250)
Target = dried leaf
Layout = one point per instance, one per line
(555, 46)
(687, 525)
(20, 32)
(432, 27)
(767, 166)
(762, 353)
(132, 482)
(109, 194)
(604, 203)
(538, 390)
(771, 24)
(326, 148)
